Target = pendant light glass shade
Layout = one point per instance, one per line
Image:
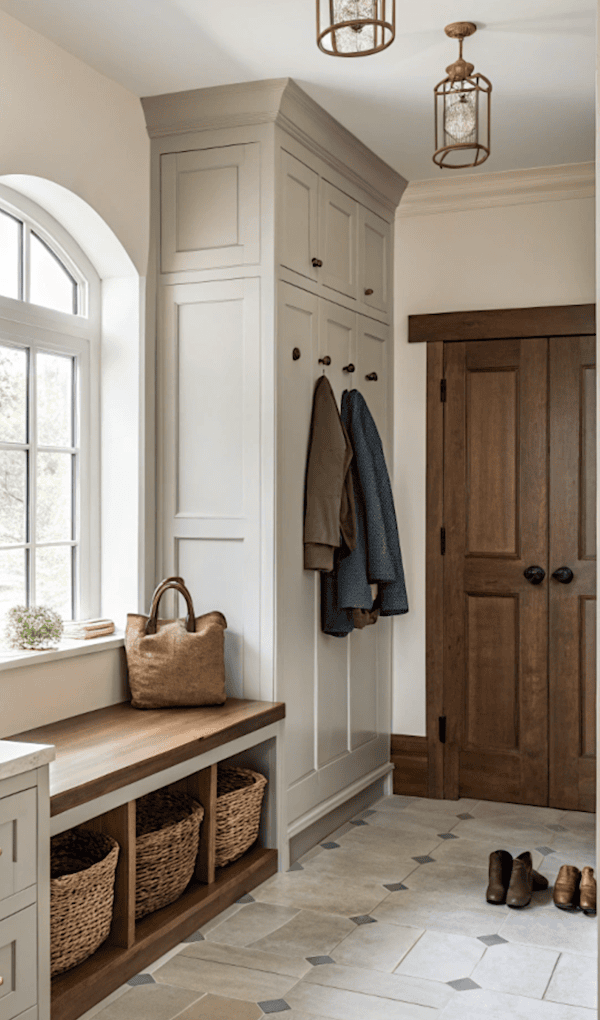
(355, 28)
(462, 111)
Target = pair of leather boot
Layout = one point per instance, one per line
(575, 888)
(512, 881)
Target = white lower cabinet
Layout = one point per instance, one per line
(18, 962)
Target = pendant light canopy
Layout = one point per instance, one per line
(462, 110)
(355, 28)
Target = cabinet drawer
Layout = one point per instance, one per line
(18, 963)
(18, 842)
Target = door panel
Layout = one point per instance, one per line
(338, 217)
(495, 514)
(374, 254)
(299, 219)
(572, 544)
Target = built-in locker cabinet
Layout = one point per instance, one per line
(338, 240)
(210, 208)
(299, 231)
(374, 260)
(372, 359)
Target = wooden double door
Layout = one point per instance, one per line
(519, 570)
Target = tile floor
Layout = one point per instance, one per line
(387, 918)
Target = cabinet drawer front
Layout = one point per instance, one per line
(18, 842)
(210, 208)
(18, 963)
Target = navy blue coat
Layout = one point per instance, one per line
(376, 558)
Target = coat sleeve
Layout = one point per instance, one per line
(329, 503)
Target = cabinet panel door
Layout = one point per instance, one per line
(18, 842)
(298, 240)
(18, 963)
(210, 215)
(374, 258)
(373, 342)
(297, 326)
(338, 241)
(337, 338)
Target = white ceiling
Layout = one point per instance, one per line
(539, 54)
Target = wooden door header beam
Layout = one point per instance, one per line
(503, 324)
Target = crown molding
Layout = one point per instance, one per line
(282, 102)
(512, 187)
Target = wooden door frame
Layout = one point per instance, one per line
(435, 330)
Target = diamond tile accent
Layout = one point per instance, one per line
(424, 859)
(246, 898)
(465, 816)
(395, 886)
(358, 821)
(274, 1006)
(364, 919)
(446, 835)
(491, 940)
(194, 937)
(545, 850)
(461, 985)
(318, 961)
(141, 979)
(329, 846)
(296, 867)
(557, 828)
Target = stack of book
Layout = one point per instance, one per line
(83, 630)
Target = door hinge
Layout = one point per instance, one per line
(442, 728)
(443, 390)
(443, 541)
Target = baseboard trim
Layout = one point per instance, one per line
(410, 757)
(329, 805)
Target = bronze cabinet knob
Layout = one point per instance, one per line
(296, 353)
(325, 361)
(372, 377)
(317, 263)
(369, 291)
(348, 368)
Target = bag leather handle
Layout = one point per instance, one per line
(178, 584)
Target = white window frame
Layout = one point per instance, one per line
(78, 336)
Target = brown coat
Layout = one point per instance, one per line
(329, 498)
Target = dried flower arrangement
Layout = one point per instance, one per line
(33, 628)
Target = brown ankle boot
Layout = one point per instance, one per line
(587, 891)
(566, 887)
(521, 881)
(499, 876)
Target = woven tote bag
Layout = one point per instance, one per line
(175, 663)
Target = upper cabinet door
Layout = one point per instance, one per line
(210, 208)
(298, 240)
(374, 258)
(338, 241)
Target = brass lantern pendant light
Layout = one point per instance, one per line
(462, 110)
(355, 28)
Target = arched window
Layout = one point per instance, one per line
(49, 462)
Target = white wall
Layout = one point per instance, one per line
(62, 122)
(504, 257)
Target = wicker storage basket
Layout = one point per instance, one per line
(167, 831)
(82, 885)
(239, 799)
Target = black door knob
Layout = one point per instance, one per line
(564, 574)
(534, 574)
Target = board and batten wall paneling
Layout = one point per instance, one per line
(210, 468)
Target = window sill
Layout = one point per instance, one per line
(15, 658)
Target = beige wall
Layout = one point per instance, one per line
(505, 257)
(61, 120)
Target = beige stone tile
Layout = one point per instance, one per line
(250, 924)
(513, 831)
(428, 910)
(408, 821)
(526, 812)
(381, 864)
(252, 958)
(339, 1004)
(552, 928)
(309, 933)
(520, 970)
(398, 987)
(221, 979)
(377, 946)
(223, 916)
(215, 1007)
(476, 853)
(335, 895)
(149, 1002)
(575, 981)
(439, 956)
(479, 1004)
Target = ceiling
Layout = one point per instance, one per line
(539, 54)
